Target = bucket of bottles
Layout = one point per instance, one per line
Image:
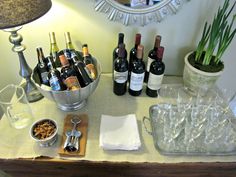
(69, 100)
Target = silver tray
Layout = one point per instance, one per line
(200, 130)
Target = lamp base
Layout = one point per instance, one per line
(31, 91)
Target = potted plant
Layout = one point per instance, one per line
(204, 65)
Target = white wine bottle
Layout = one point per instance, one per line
(54, 49)
(70, 46)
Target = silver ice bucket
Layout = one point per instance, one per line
(70, 100)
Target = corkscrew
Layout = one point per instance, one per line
(72, 137)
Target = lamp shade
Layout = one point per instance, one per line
(19, 12)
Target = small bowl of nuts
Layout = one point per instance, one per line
(44, 132)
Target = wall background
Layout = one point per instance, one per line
(179, 35)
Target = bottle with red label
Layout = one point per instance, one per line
(68, 74)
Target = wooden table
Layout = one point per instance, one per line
(65, 168)
(97, 162)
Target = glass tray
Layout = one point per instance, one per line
(196, 130)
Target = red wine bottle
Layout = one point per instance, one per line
(137, 74)
(152, 55)
(156, 74)
(120, 72)
(68, 74)
(133, 51)
(82, 71)
(42, 67)
(116, 50)
(54, 77)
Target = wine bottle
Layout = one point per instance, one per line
(152, 55)
(87, 58)
(156, 74)
(54, 49)
(133, 51)
(120, 72)
(137, 74)
(70, 45)
(83, 74)
(54, 77)
(116, 49)
(68, 74)
(67, 54)
(42, 67)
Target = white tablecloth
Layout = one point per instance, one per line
(18, 144)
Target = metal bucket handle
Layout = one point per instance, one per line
(145, 119)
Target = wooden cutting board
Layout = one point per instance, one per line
(82, 127)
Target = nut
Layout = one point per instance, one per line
(44, 129)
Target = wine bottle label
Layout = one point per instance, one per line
(72, 83)
(149, 61)
(73, 54)
(154, 81)
(136, 81)
(120, 77)
(59, 69)
(54, 83)
(92, 70)
(44, 76)
(88, 73)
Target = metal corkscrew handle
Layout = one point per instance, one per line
(72, 137)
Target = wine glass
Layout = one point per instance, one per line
(185, 101)
(168, 93)
(223, 98)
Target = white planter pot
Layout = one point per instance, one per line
(197, 81)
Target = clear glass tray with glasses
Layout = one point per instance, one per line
(193, 125)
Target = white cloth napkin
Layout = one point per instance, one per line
(119, 133)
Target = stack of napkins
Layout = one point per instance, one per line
(119, 133)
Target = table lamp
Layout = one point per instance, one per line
(13, 14)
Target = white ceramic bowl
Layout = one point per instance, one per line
(46, 142)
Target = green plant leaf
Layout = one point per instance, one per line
(217, 35)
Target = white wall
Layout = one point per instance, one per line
(180, 33)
